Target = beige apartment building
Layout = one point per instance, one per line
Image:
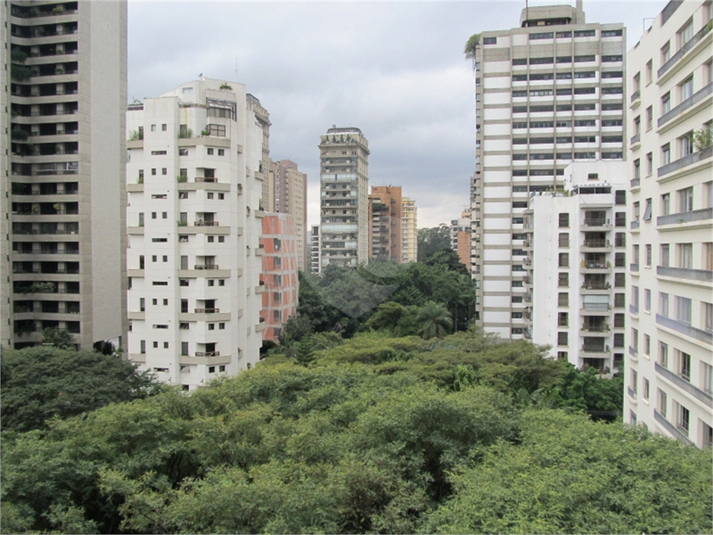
(548, 92)
(669, 362)
(288, 195)
(385, 239)
(409, 230)
(63, 188)
(344, 204)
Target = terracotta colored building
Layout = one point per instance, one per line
(278, 281)
(460, 237)
(385, 207)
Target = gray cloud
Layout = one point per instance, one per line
(394, 69)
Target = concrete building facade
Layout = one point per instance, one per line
(461, 237)
(547, 93)
(63, 187)
(409, 230)
(194, 222)
(669, 362)
(279, 284)
(289, 196)
(575, 267)
(314, 248)
(385, 229)
(344, 186)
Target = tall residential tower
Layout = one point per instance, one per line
(547, 93)
(63, 189)
(344, 184)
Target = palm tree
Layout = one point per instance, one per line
(435, 320)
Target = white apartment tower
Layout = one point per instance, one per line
(194, 218)
(547, 93)
(314, 250)
(344, 184)
(669, 363)
(576, 267)
(62, 219)
(409, 230)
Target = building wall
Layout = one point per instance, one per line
(278, 281)
(670, 280)
(575, 268)
(545, 96)
(344, 183)
(290, 196)
(385, 228)
(315, 265)
(409, 230)
(194, 226)
(67, 173)
(461, 236)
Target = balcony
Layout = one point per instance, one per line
(595, 266)
(211, 179)
(207, 353)
(633, 309)
(634, 225)
(596, 244)
(691, 101)
(595, 287)
(594, 349)
(702, 396)
(207, 310)
(670, 428)
(691, 159)
(635, 182)
(206, 266)
(201, 223)
(635, 139)
(595, 307)
(631, 392)
(636, 95)
(704, 214)
(597, 222)
(685, 48)
(591, 328)
(634, 268)
(702, 275)
(685, 329)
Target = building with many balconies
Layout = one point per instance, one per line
(62, 187)
(385, 240)
(548, 92)
(669, 362)
(194, 216)
(409, 230)
(576, 266)
(288, 195)
(344, 209)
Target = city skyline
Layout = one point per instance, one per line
(411, 60)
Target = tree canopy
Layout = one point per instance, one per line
(431, 240)
(377, 434)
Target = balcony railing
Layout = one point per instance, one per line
(635, 95)
(672, 429)
(685, 217)
(207, 353)
(633, 309)
(596, 286)
(686, 329)
(634, 225)
(596, 307)
(587, 348)
(685, 161)
(206, 179)
(635, 182)
(603, 328)
(685, 48)
(704, 275)
(207, 310)
(686, 104)
(631, 392)
(205, 266)
(597, 243)
(597, 222)
(634, 267)
(595, 265)
(635, 138)
(697, 393)
(201, 223)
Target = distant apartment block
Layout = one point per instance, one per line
(194, 222)
(288, 189)
(344, 210)
(461, 237)
(548, 92)
(385, 230)
(575, 268)
(669, 361)
(314, 248)
(62, 219)
(278, 280)
(409, 230)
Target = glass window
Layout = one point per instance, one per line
(666, 103)
(665, 252)
(685, 255)
(685, 200)
(665, 204)
(666, 154)
(683, 309)
(663, 304)
(686, 88)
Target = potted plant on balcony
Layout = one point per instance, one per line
(703, 137)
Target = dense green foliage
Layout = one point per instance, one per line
(432, 240)
(372, 434)
(43, 382)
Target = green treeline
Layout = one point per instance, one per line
(464, 434)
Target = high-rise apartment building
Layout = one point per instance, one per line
(194, 223)
(344, 183)
(547, 93)
(289, 196)
(669, 362)
(409, 230)
(278, 280)
(262, 118)
(314, 247)
(385, 229)
(576, 267)
(63, 187)
(461, 237)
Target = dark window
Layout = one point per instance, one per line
(490, 40)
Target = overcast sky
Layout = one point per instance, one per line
(395, 70)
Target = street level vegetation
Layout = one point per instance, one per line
(464, 434)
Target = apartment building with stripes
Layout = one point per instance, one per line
(669, 361)
(548, 92)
